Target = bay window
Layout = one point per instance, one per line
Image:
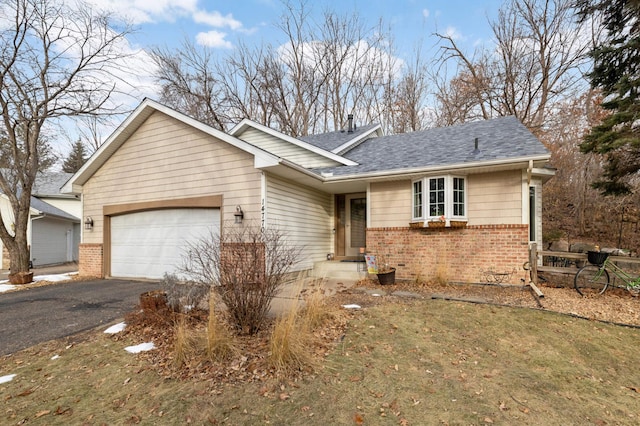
(435, 197)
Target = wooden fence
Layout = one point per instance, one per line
(564, 262)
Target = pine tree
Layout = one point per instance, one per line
(76, 158)
(617, 73)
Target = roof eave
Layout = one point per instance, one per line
(521, 162)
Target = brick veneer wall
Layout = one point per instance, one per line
(90, 260)
(452, 254)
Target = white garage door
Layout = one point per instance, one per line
(148, 244)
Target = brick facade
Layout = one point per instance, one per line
(90, 260)
(452, 254)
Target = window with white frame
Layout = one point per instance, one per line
(434, 197)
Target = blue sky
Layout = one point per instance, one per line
(221, 25)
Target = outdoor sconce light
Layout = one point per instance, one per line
(88, 223)
(239, 214)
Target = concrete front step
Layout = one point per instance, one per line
(337, 269)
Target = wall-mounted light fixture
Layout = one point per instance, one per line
(239, 214)
(88, 223)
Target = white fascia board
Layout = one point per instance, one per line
(356, 140)
(449, 168)
(240, 127)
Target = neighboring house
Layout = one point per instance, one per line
(163, 178)
(53, 231)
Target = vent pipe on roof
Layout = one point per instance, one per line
(476, 150)
(350, 117)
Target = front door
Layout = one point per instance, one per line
(355, 223)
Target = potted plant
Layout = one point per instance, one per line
(440, 222)
(378, 265)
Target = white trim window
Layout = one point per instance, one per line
(434, 197)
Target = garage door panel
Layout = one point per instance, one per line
(149, 244)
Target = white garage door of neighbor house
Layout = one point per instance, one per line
(148, 244)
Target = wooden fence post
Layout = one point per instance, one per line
(533, 269)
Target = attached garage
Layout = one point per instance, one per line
(148, 244)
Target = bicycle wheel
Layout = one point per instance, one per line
(591, 280)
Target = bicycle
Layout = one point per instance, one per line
(594, 278)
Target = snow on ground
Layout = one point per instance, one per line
(5, 286)
(351, 306)
(7, 378)
(52, 278)
(116, 328)
(140, 348)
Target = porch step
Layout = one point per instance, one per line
(337, 269)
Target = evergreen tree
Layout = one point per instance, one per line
(76, 158)
(617, 73)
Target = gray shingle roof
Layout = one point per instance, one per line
(332, 140)
(498, 139)
(49, 183)
(50, 210)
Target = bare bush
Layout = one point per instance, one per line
(246, 266)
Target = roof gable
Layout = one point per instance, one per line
(134, 121)
(341, 141)
(287, 145)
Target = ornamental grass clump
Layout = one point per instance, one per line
(220, 342)
(291, 339)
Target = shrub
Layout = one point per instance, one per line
(246, 266)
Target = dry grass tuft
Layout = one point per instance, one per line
(290, 344)
(221, 344)
(183, 344)
(315, 312)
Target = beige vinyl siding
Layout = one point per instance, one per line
(390, 204)
(495, 198)
(304, 214)
(285, 149)
(166, 159)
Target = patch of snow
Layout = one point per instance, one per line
(52, 278)
(7, 378)
(116, 328)
(376, 295)
(352, 306)
(140, 348)
(6, 287)
(55, 357)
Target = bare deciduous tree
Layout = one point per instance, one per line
(54, 63)
(536, 61)
(320, 72)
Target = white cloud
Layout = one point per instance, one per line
(425, 13)
(453, 33)
(144, 11)
(216, 19)
(213, 38)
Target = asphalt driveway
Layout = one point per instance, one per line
(40, 314)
